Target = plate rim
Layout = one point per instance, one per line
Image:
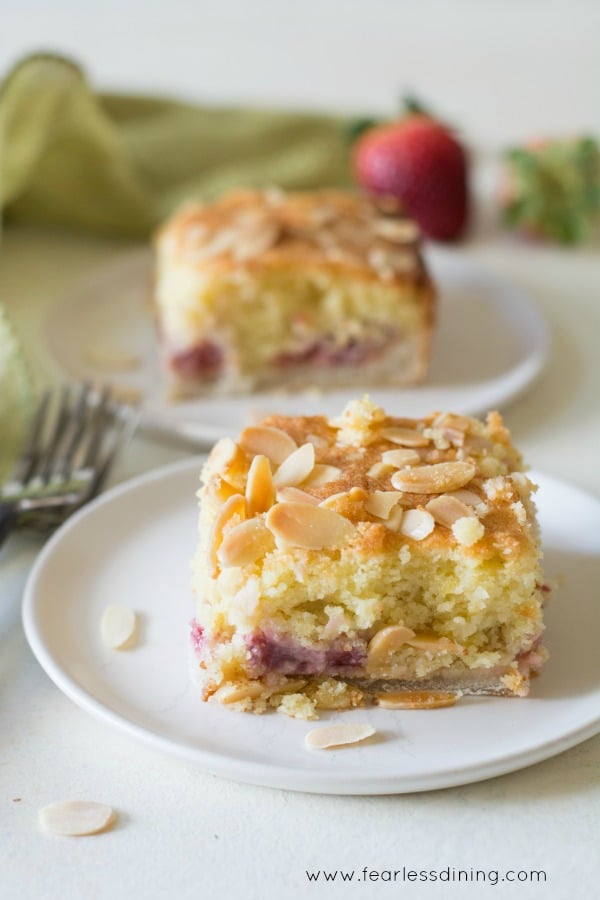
(518, 379)
(254, 772)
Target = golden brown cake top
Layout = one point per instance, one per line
(329, 229)
(441, 480)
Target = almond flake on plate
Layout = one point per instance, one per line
(337, 735)
(75, 818)
(117, 626)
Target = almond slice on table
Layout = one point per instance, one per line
(337, 735)
(243, 544)
(260, 490)
(296, 468)
(117, 626)
(435, 479)
(76, 818)
(310, 527)
(264, 440)
(416, 700)
(406, 437)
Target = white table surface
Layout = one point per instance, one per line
(503, 70)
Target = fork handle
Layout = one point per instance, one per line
(8, 519)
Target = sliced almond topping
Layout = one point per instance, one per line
(333, 500)
(436, 479)
(394, 520)
(260, 491)
(295, 495)
(416, 700)
(381, 503)
(468, 497)
(337, 735)
(245, 543)
(446, 509)
(256, 239)
(380, 470)
(386, 642)
(405, 231)
(311, 527)
(234, 692)
(451, 420)
(322, 474)
(417, 524)
(222, 454)
(400, 458)
(233, 508)
(432, 643)
(296, 468)
(406, 437)
(75, 818)
(117, 626)
(273, 443)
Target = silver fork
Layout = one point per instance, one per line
(66, 457)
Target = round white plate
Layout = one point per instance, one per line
(490, 345)
(133, 545)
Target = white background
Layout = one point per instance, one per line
(500, 71)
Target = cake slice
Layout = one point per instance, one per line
(263, 289)
(344, 561)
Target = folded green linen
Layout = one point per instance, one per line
(117, 165)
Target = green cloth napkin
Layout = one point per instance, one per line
(117, 165)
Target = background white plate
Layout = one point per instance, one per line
(491, 343)
(132, 546)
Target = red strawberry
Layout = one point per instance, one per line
(418, 161)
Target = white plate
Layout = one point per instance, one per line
(491, 343)
(132, 546)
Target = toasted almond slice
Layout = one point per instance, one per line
(322, 474)
(75, 818)
(234, 692)
(406, 437)
(245, 543)
(117, 626)
(404, 231)
(400, 458)
(433, 643)
(380, 470)
(417, 524)
(416, 700)
(338, 735)
(381, 503)
(311, 527)
(273, 443)
(256, 239)
(446, 509)
(385, 642)
(470, 498)
(394, 520)
(296, 468)
(333, 500)
(232, 508)
(438, 478)
(295, 495)
(260, 491)
(222, 454)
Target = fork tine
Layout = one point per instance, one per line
(125, 422)
(29, 455)
(56, 437)
(96, 427)
(76, 427)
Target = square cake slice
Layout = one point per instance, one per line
(340, 561)
(265, 289)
